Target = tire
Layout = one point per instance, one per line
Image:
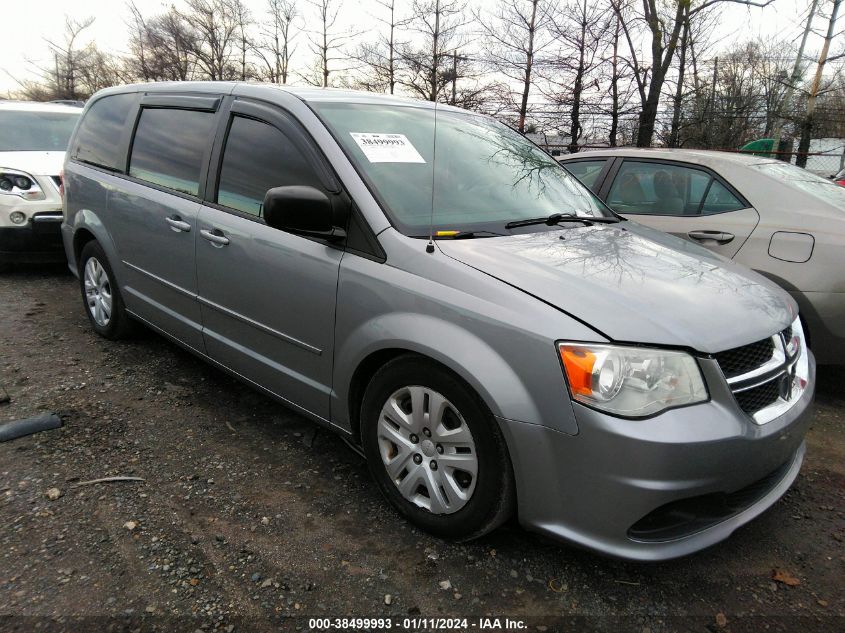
(99, 291)
(466, 505)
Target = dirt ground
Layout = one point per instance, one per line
(250, 518)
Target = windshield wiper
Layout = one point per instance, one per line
(464, 235)
(557, 218)
(467, 235)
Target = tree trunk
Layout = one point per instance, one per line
(529, 62)
(578, 88)
(804, 142)
(435, 57)
(391, 73)
(679, 92)
(614, 88)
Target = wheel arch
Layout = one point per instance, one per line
(457, 350)
(87, 227)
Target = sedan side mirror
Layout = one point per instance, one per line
(301, 210)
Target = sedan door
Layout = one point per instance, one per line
(153, 213)
(687, 201)
(267, 296)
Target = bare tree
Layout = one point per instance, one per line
(215, 23)
(579, 27)
(161, 47)
(513, 36)
(431, 66)
(245, 44)
(679, 88)
(621, 82)
(327, 42)
(663, 24)
(816, 87)
(379, 60)
(75, 71)
(278, 44)
(68, 58)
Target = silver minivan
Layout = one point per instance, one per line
(432, 286)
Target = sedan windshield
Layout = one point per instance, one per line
(23, 131)
(476, 175)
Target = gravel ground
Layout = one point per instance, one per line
(251, 518)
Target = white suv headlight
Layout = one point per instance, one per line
(631, 381)
(19, 183)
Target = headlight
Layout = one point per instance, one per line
(631, 381)
(798, 345)
(793, 343)
(21, 184)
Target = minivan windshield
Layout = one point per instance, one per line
(29, 130)
(476, 175)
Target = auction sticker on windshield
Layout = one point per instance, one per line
(387, 148)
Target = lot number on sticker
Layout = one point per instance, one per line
(387, 148)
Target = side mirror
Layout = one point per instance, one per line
(302, 210)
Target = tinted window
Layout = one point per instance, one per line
(719, 200)
(169, 147)
(657, 189)
(587, 171)
(22, 130)
(259, 157)
(98, 139)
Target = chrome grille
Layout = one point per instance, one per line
(741, 360)
(760, 375)
(756, 398)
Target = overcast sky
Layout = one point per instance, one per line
(23, 47)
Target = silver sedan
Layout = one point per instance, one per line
(782, 221)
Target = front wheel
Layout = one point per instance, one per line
(100, 294)
(435, 450)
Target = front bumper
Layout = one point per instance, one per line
(37, 241)
(599, 487)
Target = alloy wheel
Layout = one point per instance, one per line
(98, 295)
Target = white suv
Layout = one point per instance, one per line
(33, 140)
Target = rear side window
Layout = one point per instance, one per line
(258, 157)
(651, 188)
(98, 139)
(719, 200)
(587, 171)
(169, 147)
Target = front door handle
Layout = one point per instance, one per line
(215, 236)
(711, 236)
(178, 224)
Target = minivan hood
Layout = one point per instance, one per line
(34, 163)
(634, 284)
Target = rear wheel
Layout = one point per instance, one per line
(435, 450)
(100, 294)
